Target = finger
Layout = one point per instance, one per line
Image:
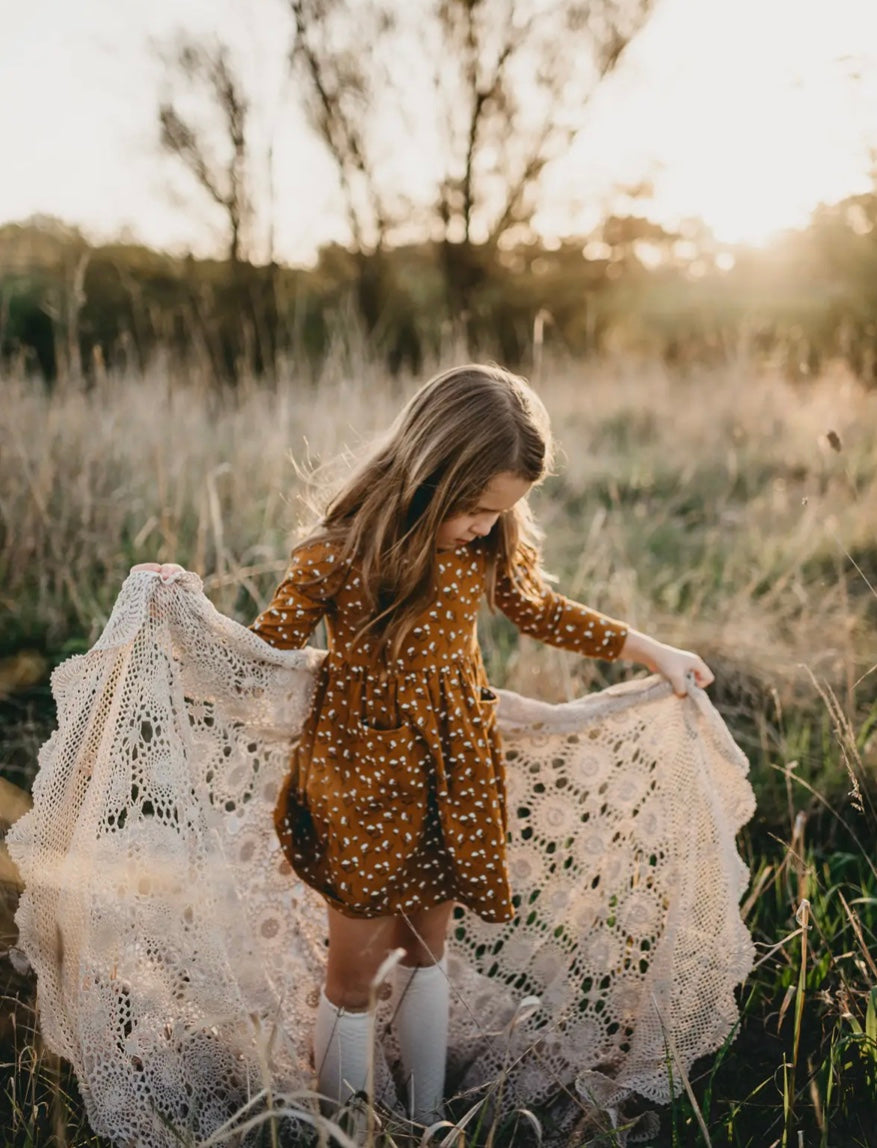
(152, 567)
(169, 569)
(680, 685)
(699, 676)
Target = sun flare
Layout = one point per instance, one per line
(746, 116)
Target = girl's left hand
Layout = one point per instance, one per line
(165, 570)
(679, 666)
(675, 665)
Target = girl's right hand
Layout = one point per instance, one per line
(165, 570)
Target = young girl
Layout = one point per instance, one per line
(393, 808)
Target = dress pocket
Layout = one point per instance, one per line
(387, 773)
(488, 702)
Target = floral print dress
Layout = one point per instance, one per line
(395, 799)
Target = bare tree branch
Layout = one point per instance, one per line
(224, 180)
(338, 83)
(547, 62)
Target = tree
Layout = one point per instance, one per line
(512, 79)
(509, 80)
(243, 301)
(223, 178)
(339, 84)
(342, 88)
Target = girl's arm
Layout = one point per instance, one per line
(524, 597)
(299, 602)
(302, 598)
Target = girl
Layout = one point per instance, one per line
(393, 808)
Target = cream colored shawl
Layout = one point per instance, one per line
(178, 959)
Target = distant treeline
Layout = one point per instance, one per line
(70, 309)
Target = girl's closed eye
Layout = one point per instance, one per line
(477, 520)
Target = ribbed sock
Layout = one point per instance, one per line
(421, 1022)
(342, 1046)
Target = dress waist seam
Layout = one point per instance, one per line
(449, 665)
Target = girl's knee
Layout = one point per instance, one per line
(422, 935)
(348, 992)
(418, 955)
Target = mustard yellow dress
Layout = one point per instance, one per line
(395, 799)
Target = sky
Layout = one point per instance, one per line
(746, 113)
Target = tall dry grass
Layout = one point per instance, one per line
(710, 509)
(727, 509)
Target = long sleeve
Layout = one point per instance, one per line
(303, 597)
(537, 610)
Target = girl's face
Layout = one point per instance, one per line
(500, 494)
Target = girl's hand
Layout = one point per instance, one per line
(675, 665)
(165, 570)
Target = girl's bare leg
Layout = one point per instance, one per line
(357, 947)
(422, 934)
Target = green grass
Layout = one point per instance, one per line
(710, 510)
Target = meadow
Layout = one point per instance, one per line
(724, 509)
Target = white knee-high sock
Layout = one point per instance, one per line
(421, 1022)
(342, 1045)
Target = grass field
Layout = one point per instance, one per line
(728, 511)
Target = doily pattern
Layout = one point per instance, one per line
(178, 957)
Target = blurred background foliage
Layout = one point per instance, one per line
(72, 310)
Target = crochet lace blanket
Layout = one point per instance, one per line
(178, 958)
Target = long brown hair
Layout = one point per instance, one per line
(460, 430)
